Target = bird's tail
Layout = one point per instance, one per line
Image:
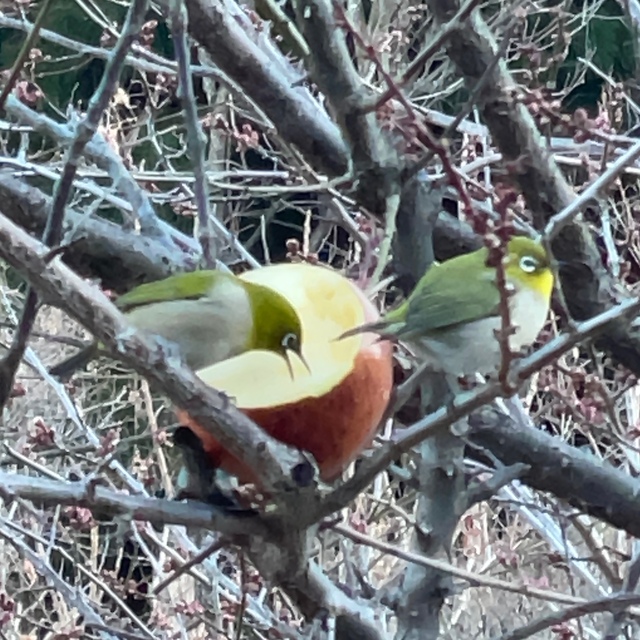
(371, 327)
(80, 360)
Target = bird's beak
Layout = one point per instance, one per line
(287, 358)
(304, 362)
(348, 334)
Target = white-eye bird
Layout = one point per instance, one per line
(210, 316)
(452, 315)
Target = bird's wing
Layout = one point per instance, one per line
(181, 286)
(433, 307)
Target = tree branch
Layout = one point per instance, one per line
(178, 18)
(376, 164)
(99, 248)
(308, 586)
(587, 287)
(51, 493)
(268, 79)
(273, 462)
(584, 481)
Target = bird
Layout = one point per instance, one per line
(210, 315)
(452, 315)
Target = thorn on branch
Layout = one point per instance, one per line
(61, 249)
(500, 478)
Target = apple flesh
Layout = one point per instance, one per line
(332, 411)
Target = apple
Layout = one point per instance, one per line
(332, 411)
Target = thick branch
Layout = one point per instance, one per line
(590, 484)
(415, 237)
(439, 507)
(376, 164)
(100, 249)
(51, 493)
(586, 285)
(268, 79)
(272, 461)
(315, 595)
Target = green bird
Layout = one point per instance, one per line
(209, 315)
(452, 314)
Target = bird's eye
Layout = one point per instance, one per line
(291, 342)
(529, 264)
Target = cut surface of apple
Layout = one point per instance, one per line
(331, 411)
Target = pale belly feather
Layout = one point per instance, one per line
(206, 331)
(473, 348)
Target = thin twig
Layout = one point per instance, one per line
(178, 19)
(72, 595)
(53, 229)
(464, 404)
(443, 34)
(615, 603)
(199, 558)
(474, 579)
(393, 203)
(27, 45)
(564, 217)
(629, 588)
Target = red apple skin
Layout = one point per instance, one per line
(335, 427)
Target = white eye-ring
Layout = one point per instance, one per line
(290, 342)
(529, 264)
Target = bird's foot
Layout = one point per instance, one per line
(466, 383)
(197, 478)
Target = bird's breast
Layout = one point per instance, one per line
(529, 310)
(473, 347)
(206, 330)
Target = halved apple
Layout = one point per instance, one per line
(331, 411)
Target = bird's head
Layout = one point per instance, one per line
(528, 266)
(276, 324)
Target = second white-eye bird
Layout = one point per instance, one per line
(209, 315)
(452, 315)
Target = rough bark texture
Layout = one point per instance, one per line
(586, 285)
(268, 81)
(584, 481)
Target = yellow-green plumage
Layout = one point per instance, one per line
(451, 315)
(209, 315)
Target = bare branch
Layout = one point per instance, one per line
(586, 285)
(195, 143)
(87, 126)
(428, 52)
(74, 596)
(29, 42)
(439, 507)
(613, 603)
(271, 460)
(51, 493)
(98, 150)
(612, 173)
(568, 473)
(97, 243)
(376, 164)
(268, 79)
(473, 579)
(500, 478)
